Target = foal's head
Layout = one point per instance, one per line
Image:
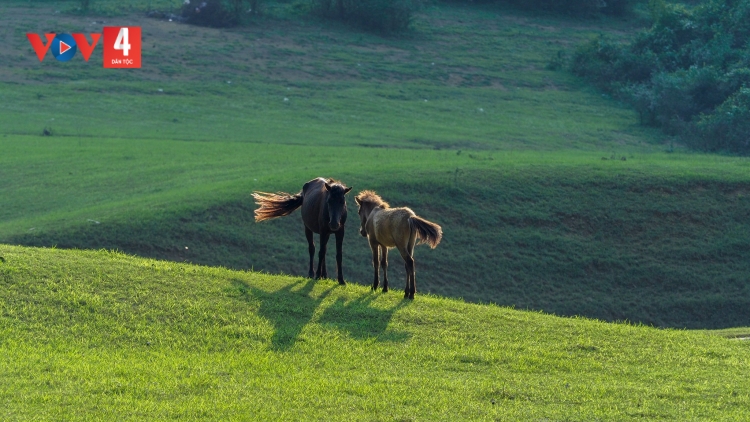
(336, 203)
(367, 200)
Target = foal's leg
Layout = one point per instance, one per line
(384, 266)
(411, 284)
(311, 250)
(410, 250)
(374, 246)
(409, 264)
(340, 254)
(322, 272)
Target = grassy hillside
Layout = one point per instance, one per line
(99, 335)
(460, 120)
(654, 239)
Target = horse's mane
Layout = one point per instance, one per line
(371, 197)
(335, 184)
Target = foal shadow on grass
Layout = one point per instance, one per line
(361, 320)
(291, 308)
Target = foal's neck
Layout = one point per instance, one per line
(374, 208)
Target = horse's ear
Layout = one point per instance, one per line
(356, 199)
(347, 190)
(328, 187)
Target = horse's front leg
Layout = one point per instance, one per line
(311, 250)
(374, 246)
(384, 266)
(322, 272)
(340, 254)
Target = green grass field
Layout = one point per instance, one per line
(459, 120)
(95, 335)
(553, 201)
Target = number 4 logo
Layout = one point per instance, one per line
(122, 46)
(121, 43)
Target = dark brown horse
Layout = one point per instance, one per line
(323, 205)
(399, 228)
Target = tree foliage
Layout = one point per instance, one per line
(689, 73)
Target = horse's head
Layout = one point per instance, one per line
(367, 200)
(336, 202)
(363, 214)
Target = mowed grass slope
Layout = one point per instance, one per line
(466, 77)
(506, 155)
(100, 335)
(655, 239)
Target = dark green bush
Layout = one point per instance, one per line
(385, 16)
(214, 13)
(682, 71)
(572, 7)
(728, 127)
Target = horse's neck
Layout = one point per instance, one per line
(375, 209)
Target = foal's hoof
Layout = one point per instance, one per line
(342, 282)
(385, 289)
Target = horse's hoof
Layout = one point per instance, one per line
(342, 282)
(385, 290)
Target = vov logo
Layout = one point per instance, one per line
(122, 46)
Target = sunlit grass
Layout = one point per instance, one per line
(98, 335)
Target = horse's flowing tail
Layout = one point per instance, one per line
(274, 205)
(427, 231)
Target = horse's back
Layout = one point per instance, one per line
(392, 227)
(313, 194)
(313, 186)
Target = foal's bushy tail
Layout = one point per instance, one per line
(427, 231)
(274, 205)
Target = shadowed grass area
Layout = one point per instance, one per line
(100, 335)
(658, 238)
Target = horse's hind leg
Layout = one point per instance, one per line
(384, 266)
(411, 282)
(311, 250)
(413, 288)
(322, 272)
(410, 288)
(374, 246)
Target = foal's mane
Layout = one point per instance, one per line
(371, 197)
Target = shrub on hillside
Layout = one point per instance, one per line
(216, 13)
(379, 15)
(682, 71)
(728, 127)
(579, 7)
(572, 7)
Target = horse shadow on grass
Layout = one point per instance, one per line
(292, 307)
